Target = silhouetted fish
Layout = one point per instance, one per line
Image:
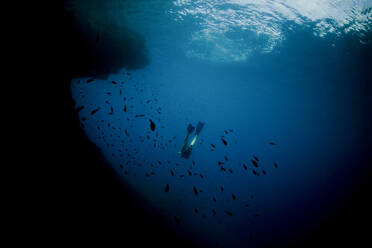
(233, 197)
(126, 132)
(172, 173)
(221, 188)
(275, 164)
(228, 213)
(214, 199)
(189, 172)
(272, 143)
(139, 116)
(255, 158)
(111, 111)
(95, 111)
(125, 108)
(152, 125)
(245, 167)
(254, 163)
(254, 172)
(264, 172)
(195, 190)
(224, 141)
(166, 188)
(90, 80)
(220, 163)
(113, 82)
(78, 109)
(196, 210)
(231, 171)
(213, 145)
(226, 158)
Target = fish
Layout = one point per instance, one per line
(214, 199)
(213, 212)
(113, 82)
(182, 175)
(95, 111)
(223, 168)
(108, 93)
(141, 115)
(254, 172)
(213, 145)
(231, 171)
(220, 163)
(272, 143)
(221, 188)
(245, 167)
(125, 108)
(255, 158)
(228, 213)
(226, 158)
(224, 141)
(189, 172)
(78, 109)
(233, 197)
(195, 190)
(126, 132)
(166, 188)
(254, 163)
(264, 172)
(152, 125)
(275, 164)
(172, 173)
(90, 80)
(111, 110)
(196, 210)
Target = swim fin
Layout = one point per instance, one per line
(199, 127)
(190, 129)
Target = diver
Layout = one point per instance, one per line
(187, 148)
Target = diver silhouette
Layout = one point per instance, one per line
(187, 148)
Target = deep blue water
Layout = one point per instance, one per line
(287, 72)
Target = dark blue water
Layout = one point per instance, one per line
(285, 81)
